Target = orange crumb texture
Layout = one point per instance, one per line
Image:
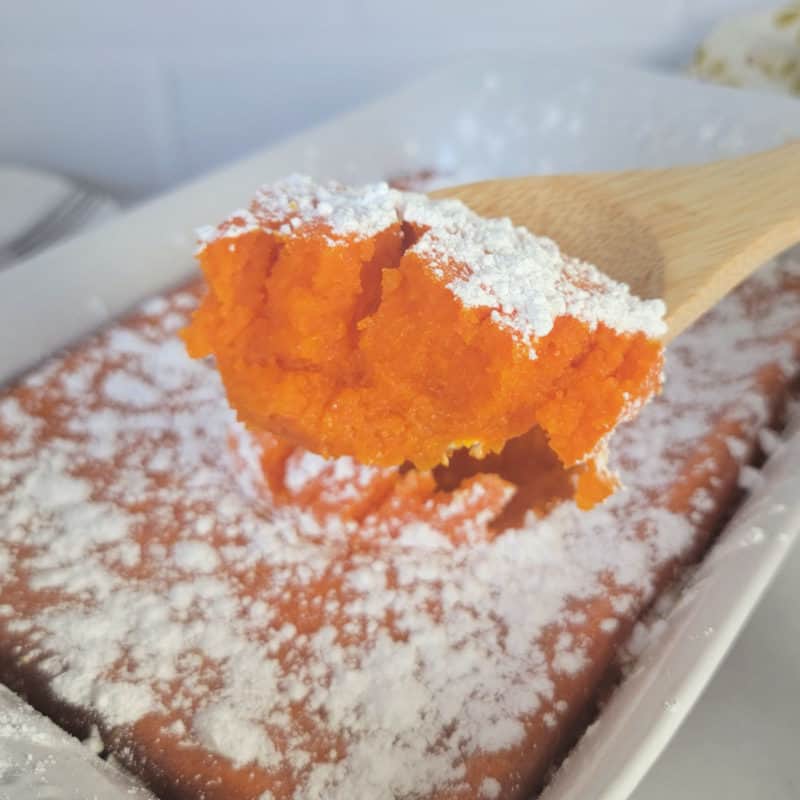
(355, 344)
(502, 487)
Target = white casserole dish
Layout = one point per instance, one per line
(488, 117)
(39, 761)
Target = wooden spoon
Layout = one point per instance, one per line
(686, 234)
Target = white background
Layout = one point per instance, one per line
(137, 96)
(141, 94)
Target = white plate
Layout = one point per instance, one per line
(502, 116)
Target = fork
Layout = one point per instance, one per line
(66, 216)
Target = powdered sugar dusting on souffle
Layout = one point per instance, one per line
(525, 279)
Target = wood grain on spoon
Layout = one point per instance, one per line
(687, 234)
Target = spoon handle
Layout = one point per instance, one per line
(715, 223)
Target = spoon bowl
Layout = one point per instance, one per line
(686, 234)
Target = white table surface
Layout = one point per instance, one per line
(137, 96)
(742, 741)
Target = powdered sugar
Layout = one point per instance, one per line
(320, 644)
(195, 556)
(525, 279)
(121, 387)
(295, 201)
(307, 466)
(489, 789)
(222, 729)
(123, 703)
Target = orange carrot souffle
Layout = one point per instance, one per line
(399, 330)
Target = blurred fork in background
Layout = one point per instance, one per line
(38, 209)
